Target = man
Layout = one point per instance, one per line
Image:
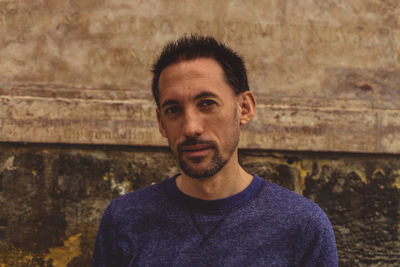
(213, 213)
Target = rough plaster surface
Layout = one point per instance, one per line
(52, 197)
(325, 75)
(324, 72)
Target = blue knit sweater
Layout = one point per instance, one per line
(264, 225)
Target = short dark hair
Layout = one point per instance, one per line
(193, 47)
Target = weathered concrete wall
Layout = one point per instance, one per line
(52, 197)
(325, 73)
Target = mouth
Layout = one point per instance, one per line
(196, 150)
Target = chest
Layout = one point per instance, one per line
(204, 239)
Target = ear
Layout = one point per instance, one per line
(160, 123)
(247, 107)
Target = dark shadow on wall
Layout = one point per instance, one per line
(53, 195)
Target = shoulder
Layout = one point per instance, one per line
(289, 205)
(294, 213)
(280, 196)
(146, 198)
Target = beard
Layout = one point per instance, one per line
(217, 161)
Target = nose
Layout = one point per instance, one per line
(192, 124)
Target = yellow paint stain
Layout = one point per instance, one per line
(28, 258)
(304, 169)
(303, 173)
(61, 256)
(361, 175)
(397, 181)
(16, 257)
(378, 171)
(397, 184)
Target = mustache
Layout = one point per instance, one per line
(194, 141)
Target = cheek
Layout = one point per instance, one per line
(172, 136)
(173, 146)
(225, 125)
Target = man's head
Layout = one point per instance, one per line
(194, 47)
(199, 111)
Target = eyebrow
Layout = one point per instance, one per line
(169, 102)
(199, 96)
(206, 94)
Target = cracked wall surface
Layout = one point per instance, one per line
(325, 73)
(78, 125)
(52, 197)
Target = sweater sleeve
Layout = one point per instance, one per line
(105, 249)
(319, 244)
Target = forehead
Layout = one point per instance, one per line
(192, 75)
(196, 68)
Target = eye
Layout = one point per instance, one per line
(172, 110)
(207, 103)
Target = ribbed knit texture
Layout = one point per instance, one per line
(264, 225)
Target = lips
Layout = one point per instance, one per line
(195, 150)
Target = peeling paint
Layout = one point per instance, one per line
(63, 190)
(376, 171)
(61, 256)
(106, 176)
(303, 172)
(17, 257)
(8, 165)
(397, 180)
(122, 188)
(362, 175)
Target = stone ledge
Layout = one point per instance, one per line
(291, 124)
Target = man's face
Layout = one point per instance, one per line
(198, 115)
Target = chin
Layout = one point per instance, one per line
(200, 173)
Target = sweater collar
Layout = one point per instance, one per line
(218, 205)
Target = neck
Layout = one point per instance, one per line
(230, 180)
